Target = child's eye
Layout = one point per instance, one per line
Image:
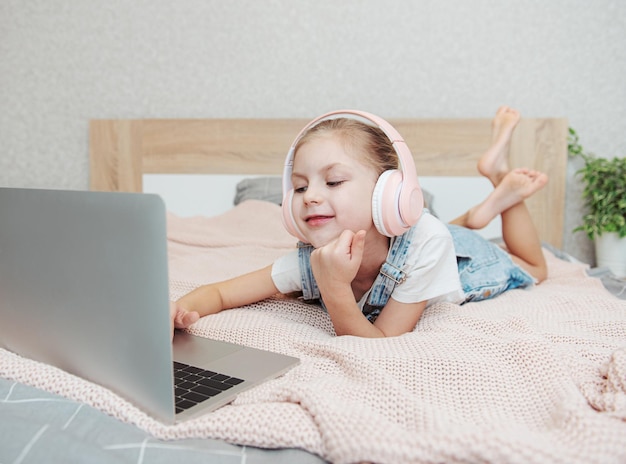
(335, 183)
(299, 189)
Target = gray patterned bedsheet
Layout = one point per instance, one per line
(40, 427)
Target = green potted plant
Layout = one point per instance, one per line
(604, 194)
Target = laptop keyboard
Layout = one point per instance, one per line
(193, 385)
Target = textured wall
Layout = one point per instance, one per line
(63, 62)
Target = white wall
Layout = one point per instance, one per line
(63, 62)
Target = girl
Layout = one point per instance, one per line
(371, 284)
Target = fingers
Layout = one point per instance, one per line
(352, 244)
(344, 242)
(181, 318)
(358, 246)
(184, 318)
(188, 319)
(339, 260)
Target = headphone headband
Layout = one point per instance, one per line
(409, 199)
(406, 163)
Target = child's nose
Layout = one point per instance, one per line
(312, 195)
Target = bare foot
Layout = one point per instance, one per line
(494, 164)
(515, 187)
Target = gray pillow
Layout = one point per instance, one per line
(260, 188)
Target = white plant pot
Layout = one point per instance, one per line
(611, 253)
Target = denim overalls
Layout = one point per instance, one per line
(485, 270)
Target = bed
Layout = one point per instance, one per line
(535, 375)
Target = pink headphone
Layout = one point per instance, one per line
(397, 201)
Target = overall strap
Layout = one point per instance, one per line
(310, 291)
(392, 271)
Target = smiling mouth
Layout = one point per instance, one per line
(318, 220)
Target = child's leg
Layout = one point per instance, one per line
(522, 240)
(507, 199)
(518, 231)
(513, 189)
(494, 163)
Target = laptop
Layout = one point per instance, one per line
(84, 287)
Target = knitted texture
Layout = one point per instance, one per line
(536, 375)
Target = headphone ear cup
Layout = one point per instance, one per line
(288, 219)
(385, 204)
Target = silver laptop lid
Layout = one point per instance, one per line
(66, 298)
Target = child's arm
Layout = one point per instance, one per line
(334, 267)
(213, 298)
(395, 318)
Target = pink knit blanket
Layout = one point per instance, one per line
(535, 375)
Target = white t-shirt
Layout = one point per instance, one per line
(431, 268)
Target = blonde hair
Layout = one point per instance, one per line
(359, 139)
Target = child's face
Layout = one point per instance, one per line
(332, 190)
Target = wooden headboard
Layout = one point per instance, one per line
(121, 151)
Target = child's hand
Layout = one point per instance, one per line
(181, 318)
(338, 262)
